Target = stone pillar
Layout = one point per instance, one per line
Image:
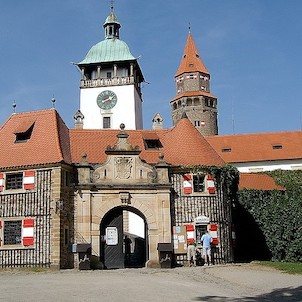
(84, 171)
(55, 226)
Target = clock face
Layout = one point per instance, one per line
(106, 99)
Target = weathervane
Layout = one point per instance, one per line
(53, 102)
(112, 4)
(14, 106)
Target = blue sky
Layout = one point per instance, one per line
(252, 49)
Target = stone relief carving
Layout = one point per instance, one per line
(123, 167)
(152, 176)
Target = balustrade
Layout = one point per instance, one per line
(107, 82)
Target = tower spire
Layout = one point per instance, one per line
(191, 60)
(111, 25)
(193, 96)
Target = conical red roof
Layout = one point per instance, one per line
(191, 60)
(184, 145)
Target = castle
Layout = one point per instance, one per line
(72, 196)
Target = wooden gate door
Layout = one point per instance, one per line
(112, 245)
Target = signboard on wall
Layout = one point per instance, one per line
(180, 239)
(111, 236)
(202, 220)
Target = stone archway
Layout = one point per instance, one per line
(121, 245)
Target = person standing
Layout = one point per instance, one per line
(127, 242)
(191, 253)
(206, 247)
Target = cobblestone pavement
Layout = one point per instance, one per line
(246, 282)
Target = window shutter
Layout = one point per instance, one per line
(213, 233)
(29, 180)
(190, 233)
(28, 232)
(0, 232)
(210, 184)
(1, 182)
(187, 184)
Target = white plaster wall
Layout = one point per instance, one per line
(269, 165)
(128, 109)
(136, 225)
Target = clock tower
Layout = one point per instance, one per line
(110, 89)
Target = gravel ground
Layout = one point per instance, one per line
(246, 282)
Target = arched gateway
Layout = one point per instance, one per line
(123, 238)
(119, 196)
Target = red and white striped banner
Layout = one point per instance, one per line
(1, 182)
(28, 232)
(210, 184)
(213, 233)
(190, 233)
(29, 180)
(187, 184)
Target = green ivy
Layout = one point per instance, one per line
(278, 214)
(226, 176)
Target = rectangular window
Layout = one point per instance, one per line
(106, 122)
(277, 147)
(12, 232)
(226, 150)
(198, 183)
(14, 181)
(109, 75)
(154, 144)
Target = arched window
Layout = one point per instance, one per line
(196, 102)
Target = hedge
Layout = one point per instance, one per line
(276, 231)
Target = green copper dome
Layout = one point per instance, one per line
(109, 50)
(112, 49)
(111, 18)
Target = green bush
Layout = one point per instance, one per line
(278, 215)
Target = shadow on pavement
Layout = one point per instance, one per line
(288, 294)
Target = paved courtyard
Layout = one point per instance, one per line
(246, 282)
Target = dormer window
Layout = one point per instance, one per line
(277, 147)
(24, 131)
(152, 144)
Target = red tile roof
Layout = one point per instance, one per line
(182, 145)
(192, 94)
(49, 141)
(191, 60)
(258, 181)
(258, 147)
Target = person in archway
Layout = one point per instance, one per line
(206, 247)
(127, 242)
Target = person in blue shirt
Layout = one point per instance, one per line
(206, 240)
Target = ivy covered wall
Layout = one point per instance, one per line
(269, 223)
